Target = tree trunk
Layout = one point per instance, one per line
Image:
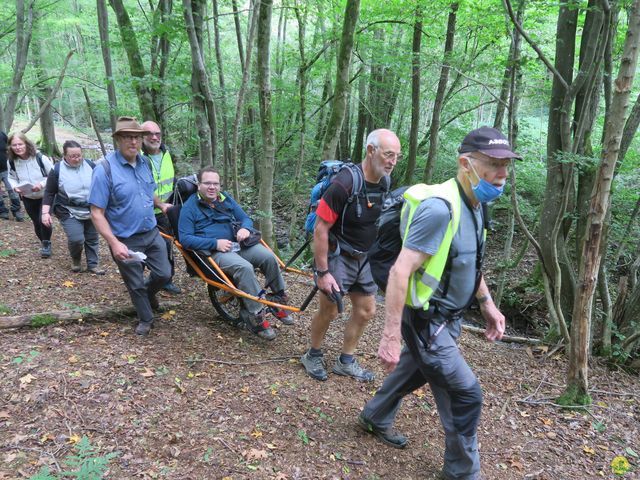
(194, 15)
(358, 142)
(339, 103)
(223, 102)
(136, 67)
(514, 52)
(24, 25)
(577, 375)
(267, 159)
(442, 86)
(246, 72)
(559, 175)
(301, 17)
(160, 46)
(103, 29)
(415, 98)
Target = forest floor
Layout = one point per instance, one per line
(198, 399)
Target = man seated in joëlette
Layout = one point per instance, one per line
(212, 220)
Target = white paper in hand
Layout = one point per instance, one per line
(135, 257)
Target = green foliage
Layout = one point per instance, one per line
(302, 435)
(85, 464)
(572, 398)
(7, 252)
(4, 310)
(42, 320)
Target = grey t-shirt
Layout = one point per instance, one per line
(426, 232)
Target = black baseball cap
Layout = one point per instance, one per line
(488, 141)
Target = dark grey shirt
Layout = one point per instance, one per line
(425, 235)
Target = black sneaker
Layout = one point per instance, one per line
(45, 250)
(172, 288)
(389, 436)
(314, 365)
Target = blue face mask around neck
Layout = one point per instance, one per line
(483, 190)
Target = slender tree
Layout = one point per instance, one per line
(267, 159)
(24, 26)
(415, 96)
(577, 375)
(338, 107)
(440, 94)
(103, 29)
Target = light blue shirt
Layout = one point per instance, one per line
(128, 199)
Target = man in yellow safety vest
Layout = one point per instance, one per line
(156, 152)
(437, 275)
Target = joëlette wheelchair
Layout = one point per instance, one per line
(224, 295)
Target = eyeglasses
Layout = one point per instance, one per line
(130, 138)
(153, 134)
(210, 184)
(494, 163)
(390, 155)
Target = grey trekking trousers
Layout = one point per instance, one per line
(455, 389)
(240, 267)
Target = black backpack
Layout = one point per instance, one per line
(385, 250)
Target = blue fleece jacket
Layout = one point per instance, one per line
(201, 224)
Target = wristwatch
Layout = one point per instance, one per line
(321, 273)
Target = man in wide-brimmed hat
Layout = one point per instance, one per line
(122, 208)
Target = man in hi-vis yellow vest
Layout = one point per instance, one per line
(437, 275)
(156, 152)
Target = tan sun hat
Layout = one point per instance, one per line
(128, 125)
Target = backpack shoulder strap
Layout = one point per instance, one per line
(91, 163)
(41, 164)
(357, 179)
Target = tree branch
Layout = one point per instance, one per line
(541, 56)
(52, 95)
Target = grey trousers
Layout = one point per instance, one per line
(81, 234)
(240, 265)
(151, 244)
(455, 389)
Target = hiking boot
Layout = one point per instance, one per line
(143, 328)
(314, 365)
(19, 217)
(354, 370)
(389, 436)
(76, 265)
(172, 288)
(95, 271)
(260, 327)
(4, 216)
(282, 315)
(45, 251)
(282, 298)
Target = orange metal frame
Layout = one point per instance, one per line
(227, 285)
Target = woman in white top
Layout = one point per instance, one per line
(28, 170)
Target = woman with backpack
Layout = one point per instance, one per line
(67, 190)
(28, 170)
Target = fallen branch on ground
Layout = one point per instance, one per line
(47, 318)
(505, 338)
